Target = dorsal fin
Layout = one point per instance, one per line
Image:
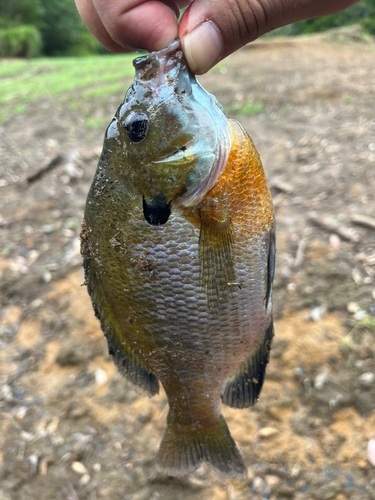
(270, 267)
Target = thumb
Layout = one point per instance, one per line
(212, 29)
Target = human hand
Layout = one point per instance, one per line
(209, 30)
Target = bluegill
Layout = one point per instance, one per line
(179, 249)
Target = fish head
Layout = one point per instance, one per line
(170, 139)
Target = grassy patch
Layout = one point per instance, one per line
(95, 122)
(247, 108)
(25, 82)
(103, 90)
(251, 108)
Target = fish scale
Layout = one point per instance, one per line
(178, 247)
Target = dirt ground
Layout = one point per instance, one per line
(71, 427)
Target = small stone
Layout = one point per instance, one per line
(78, 412)
(360, 315)
(21, 412)
(85, 479)
(97, 467)
(33, 461)
(27, 436)
(298, 372)
(267, 432)
(336, 401)
(353, 307)
(320, 380)
(371, 452)
(196, 484)
(101, 376)
(144, 494)
(334, 241)
(296, 470)
(79, 468)
(48, 228)
(6, 393)
(36, 303)
(272, 481)
(68, 233)
(43, 467)
(366, 379)
(318, 312)
(360, 364)
(47, 277)
(357, 277)
(258, 484)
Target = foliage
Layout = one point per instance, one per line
(61, 29)
(362, 13)
(21, 41)
(20, 12)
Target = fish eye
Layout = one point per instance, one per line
(136, 125)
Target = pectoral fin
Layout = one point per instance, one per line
(243, 390)
(215, 254)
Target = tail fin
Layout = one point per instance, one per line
(184, 448)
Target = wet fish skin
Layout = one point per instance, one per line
(178, 245)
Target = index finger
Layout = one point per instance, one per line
(125, 25)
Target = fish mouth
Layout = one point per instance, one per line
(156, 211)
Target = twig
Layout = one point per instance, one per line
(284, 187)
(345, 233)
(300, 253)
(363, 220)
(58, 160)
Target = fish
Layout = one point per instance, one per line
(178, 246)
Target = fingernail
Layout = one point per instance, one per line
(203, 47)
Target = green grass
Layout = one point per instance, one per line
(251, 108)
(25, 82)
(103, 90)
(95, 122)
(247, 108)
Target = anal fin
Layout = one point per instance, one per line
(131, 367)
(126, 361)
(243, 390)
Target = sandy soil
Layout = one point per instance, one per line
(72, 427)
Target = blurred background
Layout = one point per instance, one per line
(70, 427)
